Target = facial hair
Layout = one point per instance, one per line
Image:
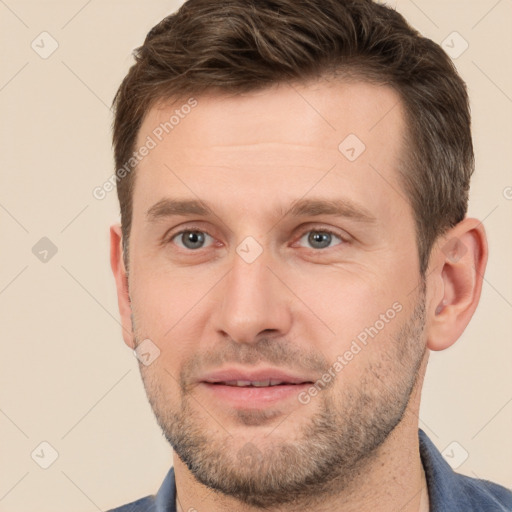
(329, 450)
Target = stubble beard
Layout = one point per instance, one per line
(328, 451)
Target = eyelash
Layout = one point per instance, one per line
(318, 229)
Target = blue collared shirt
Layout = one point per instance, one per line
(448, 491)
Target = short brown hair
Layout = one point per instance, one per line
(234, 46)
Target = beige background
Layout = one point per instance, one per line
(66, 376)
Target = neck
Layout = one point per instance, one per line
(395, 481)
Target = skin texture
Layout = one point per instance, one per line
(298, 306)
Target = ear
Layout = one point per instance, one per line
(120, 275)
(455, 276)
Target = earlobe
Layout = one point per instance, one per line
(121, 278)
(459, 260)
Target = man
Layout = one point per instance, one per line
(293, 181)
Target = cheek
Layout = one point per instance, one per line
(163, 299)
(349, 316)
(347, 300)
(160, 315)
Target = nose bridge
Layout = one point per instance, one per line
(253, 300)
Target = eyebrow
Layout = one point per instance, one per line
(168, 207)
(335, 207)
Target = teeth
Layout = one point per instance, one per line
(261, 383)
(236, 383)
(255, 383)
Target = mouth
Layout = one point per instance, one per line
(253, 389)
(256, 383)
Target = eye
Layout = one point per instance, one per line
(191, 239)
(320, 238)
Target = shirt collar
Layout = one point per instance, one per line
(165, 500)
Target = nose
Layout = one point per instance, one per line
(252, 301)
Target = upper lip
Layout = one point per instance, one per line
(230, 374)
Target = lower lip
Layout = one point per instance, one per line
(251, 397)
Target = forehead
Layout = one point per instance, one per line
(273, 145)
(317, 113)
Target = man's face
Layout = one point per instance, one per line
(267, 290)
